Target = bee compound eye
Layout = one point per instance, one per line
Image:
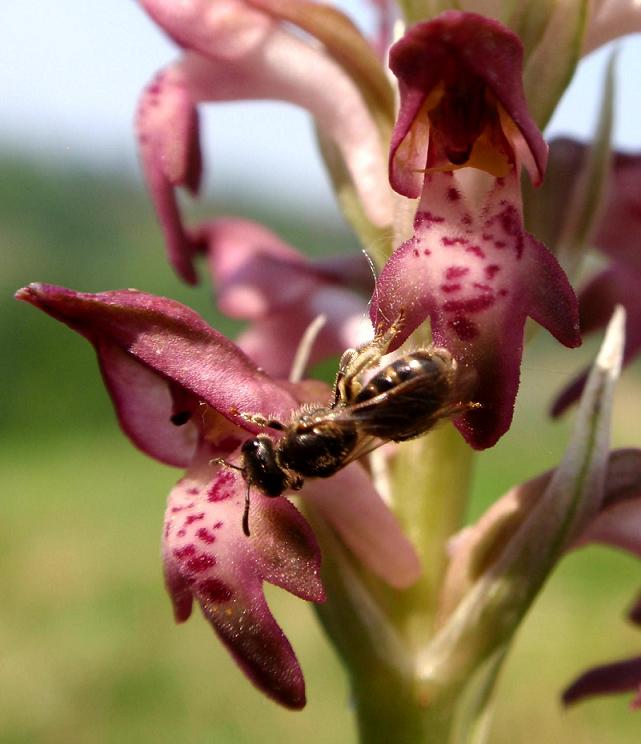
(250, 446)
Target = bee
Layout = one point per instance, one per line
(401, 401)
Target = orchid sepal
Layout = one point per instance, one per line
(236, 50)
(174, 348)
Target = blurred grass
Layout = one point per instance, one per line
(88, 649)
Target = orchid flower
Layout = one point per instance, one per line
(259, 278)
(470, 267)
(421, 610)
(617, 235)
(238, 49)
(178, 387)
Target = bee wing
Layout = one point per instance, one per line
(408, 410)
(366, 444)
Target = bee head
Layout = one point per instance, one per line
(260, 466)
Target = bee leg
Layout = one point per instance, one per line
(246, 513)
(356, 361)
(224, 464)
(260, 420)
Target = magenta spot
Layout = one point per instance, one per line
(453, 194)
(450, 287)
(200, 563)
(416, 252)
(193, 491)
(218, 525)
(185, 552)
(464, 328)
(181, 533)
(427, 252)
(454, 272)
(472, 305)
(176, 509)
(484, 287)
(215, 590)
(492, 270)
(487, 236)
(500, 243)
(503, 292)
(222, 488)
(205, 535)
(476, 250)
(426, 218)
(453, 241)
(510, 221)
(191, 518)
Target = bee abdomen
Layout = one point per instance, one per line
(420, 363)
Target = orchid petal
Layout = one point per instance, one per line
(474, 271)
(460, 51)
(619, 229)
(613, 286)
(170, 340)
(243, 259)
(208, 557)
(237, 52)
(620, 676)
(634, 613)
(256, 273)
(167, 126)
(618, 523)
(476, 546)
(365, 524)
(144, 405)
(259, 277)
(617, 235)
(346, 45)
(272, 342)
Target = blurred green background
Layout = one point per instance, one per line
(88, 648)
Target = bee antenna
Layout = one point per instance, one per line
(372, 268)
(246, 513)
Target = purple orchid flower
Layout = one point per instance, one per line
(260, 278)
(617, 235)
(236, 50)
(462, 134)
(617, 525)
(179, 389)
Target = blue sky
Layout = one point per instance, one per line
(72, 73)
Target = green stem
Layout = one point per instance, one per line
(430, 485)
(390, 711)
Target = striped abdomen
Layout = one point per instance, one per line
(406, 398)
